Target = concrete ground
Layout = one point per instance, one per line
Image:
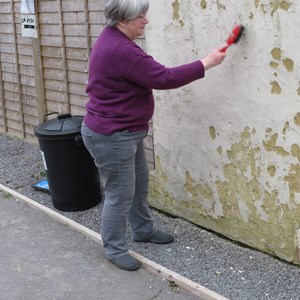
(42, 258)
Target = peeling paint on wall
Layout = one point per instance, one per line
(242, 199)
(276, 53)
(296, 151)
(289, 64)
(176, 12)
(273, 6)
(297, 119)
(293, 180)
(272, 170)
(203, 4)
(285, 128)
(279, 4)
(202, 194)
(276, 88)
(220, 150)
(220, 5)
(271, 146)
(212, 132)
(274, 65)
(233, 164)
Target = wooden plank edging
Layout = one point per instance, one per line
(151, 266)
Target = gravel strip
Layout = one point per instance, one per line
(217, 263)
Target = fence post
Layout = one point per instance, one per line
(38, 70)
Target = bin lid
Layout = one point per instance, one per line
(61, 127)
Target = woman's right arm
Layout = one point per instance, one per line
(214, 58)
(143, 70)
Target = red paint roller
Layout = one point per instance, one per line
(234, 36)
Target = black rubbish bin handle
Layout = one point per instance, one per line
(47, 115)
(78, 140)
(65, 116)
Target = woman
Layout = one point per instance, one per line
(121, 79)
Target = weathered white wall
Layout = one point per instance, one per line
(227, 147)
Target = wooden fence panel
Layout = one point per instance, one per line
(48, 73)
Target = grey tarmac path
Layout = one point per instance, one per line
(43, 259)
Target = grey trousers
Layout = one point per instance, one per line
(121, 161)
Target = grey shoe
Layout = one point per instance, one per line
(159, 237)
(125, 262)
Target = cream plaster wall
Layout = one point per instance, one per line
(227, 147)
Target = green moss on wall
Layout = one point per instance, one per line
(243, 205)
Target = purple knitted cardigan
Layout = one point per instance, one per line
(121, 79)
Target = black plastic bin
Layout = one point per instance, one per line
(73, 178)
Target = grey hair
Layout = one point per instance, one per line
(124, 10)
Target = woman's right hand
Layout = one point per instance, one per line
(214, 58)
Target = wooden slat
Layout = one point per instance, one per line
(75, 42)
(31, 117)
(25, 60)
(87, 30)
(93, 40)
(73, 18)
(49, 29)
(21, 40)
(51, 41)
(77, 110)
(54, 106)
(6, 8)
(148, 142)
(14, 127)
(73, 5)
(52, 63)
(78, 100)
(6, 57)
(48, 17)
(78, 77)
(54, 96)
(18, 79)
(77, 54)
(26, 81)
(14, 115)
(47, 6)
(11, 98)
(17, 68)
(5, 28)
(6, 18)
(96, 17)
(54, 52)
(23, 69)
(69, 30)
(7, 48)
(55, 85)
(78, 89)
(2, 99)
(53, 74)
(39, 72)
(77, 65)
(11, 91)
(95, 29)
(149, 154)
(96, 5)
(71, 53)
(25, 50)
(9, 68)
(64, 58)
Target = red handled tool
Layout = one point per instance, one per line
(234, 36)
